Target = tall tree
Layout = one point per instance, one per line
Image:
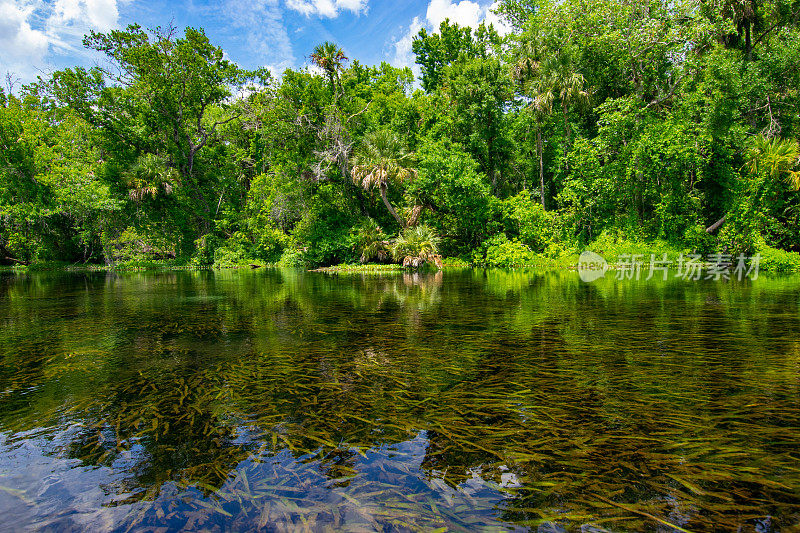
(164, 95)
(539, 88)
(330, 58)
(571, 89)
(381, 160)
(542, 96)
(435, 51)
(53, 201)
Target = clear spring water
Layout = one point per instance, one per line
(463, 400)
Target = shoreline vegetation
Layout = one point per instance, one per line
(774, 262)
(618, 127)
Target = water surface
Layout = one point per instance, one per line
(464, 400)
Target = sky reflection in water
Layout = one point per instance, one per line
(461, 400)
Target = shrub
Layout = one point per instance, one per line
(504, 253)
(697, 238)
(205, 248)
(268, 243)
(417, 246)
(455, 262)
(370, 242)
(613, 243)
(775, 260)
(292, 258)
(231, 258)
(449, 181)
(137, 245)
(324, 231)
(527, 218)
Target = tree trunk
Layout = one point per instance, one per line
(567, 134)
(540, 152)
(747, 41)
(490, 153)
(399, 220)
(6, 256)
(332, 81)
(413, 219)
(716, 225)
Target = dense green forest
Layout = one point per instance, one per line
(594, 123)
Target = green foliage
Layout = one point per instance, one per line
(416, 246)
(774, 158)
(698, 239)
(591, 119)
(159, 119)
(499, 251)
(370, 242)
(612, 244)
(323, 234)
(527, 219)
(455, 194)
(765, 203)
(134, 244)
(436, 51)
(325, 245)
(53, 202)
(455, 262)
(292, 258)
(775, 260)
(247, 248)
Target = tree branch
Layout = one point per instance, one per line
(669, 94)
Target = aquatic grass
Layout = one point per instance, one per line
(361, 268)
(455, 401)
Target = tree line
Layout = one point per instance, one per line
(592, 123)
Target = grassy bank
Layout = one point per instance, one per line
(772, 260)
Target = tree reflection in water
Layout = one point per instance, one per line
(459, 400)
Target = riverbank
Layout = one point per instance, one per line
(769, 260)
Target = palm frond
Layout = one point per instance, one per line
(794, 180)
(774, 157)
(381, 158)
(419, 242)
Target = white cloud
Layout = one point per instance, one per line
(403, 54)
(103, 14)
(70, 20)
(463, 13)
(314, 70)
(32, 30)
(501, 26)
(19, 42)
(327, 8)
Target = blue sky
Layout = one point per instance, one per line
(39, 36)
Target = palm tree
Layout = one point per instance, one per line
(744, 16)
(770, 159)
(526, 66)
(530, 75)
(570, 86)
(775, 157)
(150, 176)
(381, 159)
(330, 59)
(417, 246)
(371, 242)
(542, 106)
